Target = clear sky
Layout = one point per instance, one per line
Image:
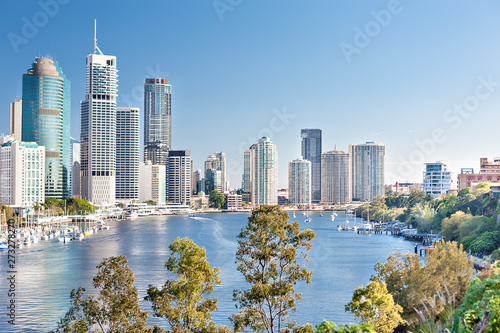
(422, 77)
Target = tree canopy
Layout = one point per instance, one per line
(116, 307)
(269, 249)
(181, 301)
(217, 199)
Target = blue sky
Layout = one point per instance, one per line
(242, 68)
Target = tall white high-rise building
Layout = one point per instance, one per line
(127, 153)
(22, 172)
(335, 177)
(152, 182)
(179, 177)
(438, 179)
(367, 170)
(217, 161)
(299, 182)
(16, 119)
(98, 129)
(263, 167)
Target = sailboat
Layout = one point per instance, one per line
(308, 219)
(294, 213)
(321, 214)
(332, 217)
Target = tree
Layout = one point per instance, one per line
(329, 327)
(423, 213)
(268, 251)
(481, 302)
(181, 301)
(482, 189)
(374, 305)
(451, 226)
(116, 307)
(447, 267)
(150, 202)
(76, 205)
(217, 199)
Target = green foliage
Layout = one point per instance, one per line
(374, 305)
(330, 327)
(486, 243)
(181, 301)
(78, 206)
(217, 199)
(54, 206)
(451, 226)
(268, 248)
(8, 211)
(447, 267)
(481, 297)
(116, 307)
(423, 213)
(150, 202)
(482, 189)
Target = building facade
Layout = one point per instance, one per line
(22, 172)
(311, 151)
(157, 120)
(367, 167)
(489, 171)
(46, 108)
(98, 130)
(127, 153)
(437, 179)
(264, 173)
(16, 119)
(179, 177)
(335, 178)
(403, 188)
(299, 182)
(217, 161)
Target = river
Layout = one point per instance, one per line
(47, 271)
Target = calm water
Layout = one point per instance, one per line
(48, 270)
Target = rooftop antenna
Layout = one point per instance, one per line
(96, 48)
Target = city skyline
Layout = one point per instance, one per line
(410, 79)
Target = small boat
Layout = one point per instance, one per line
(192, 215)
(27, 241)
(45, 237)
(34, 239)
(79, 237)
(131, 215)
(339, 228)
(332, 217)
(3, 246)
(308, 220)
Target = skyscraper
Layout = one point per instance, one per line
(263, 173)
(127, 153)
(46, 120)
(335, 177)
(179, 177)
(157, 120)
(16, 119)
(299, 182)
(367, 170)
(217, 161)
(311, 151)
(98, 129)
